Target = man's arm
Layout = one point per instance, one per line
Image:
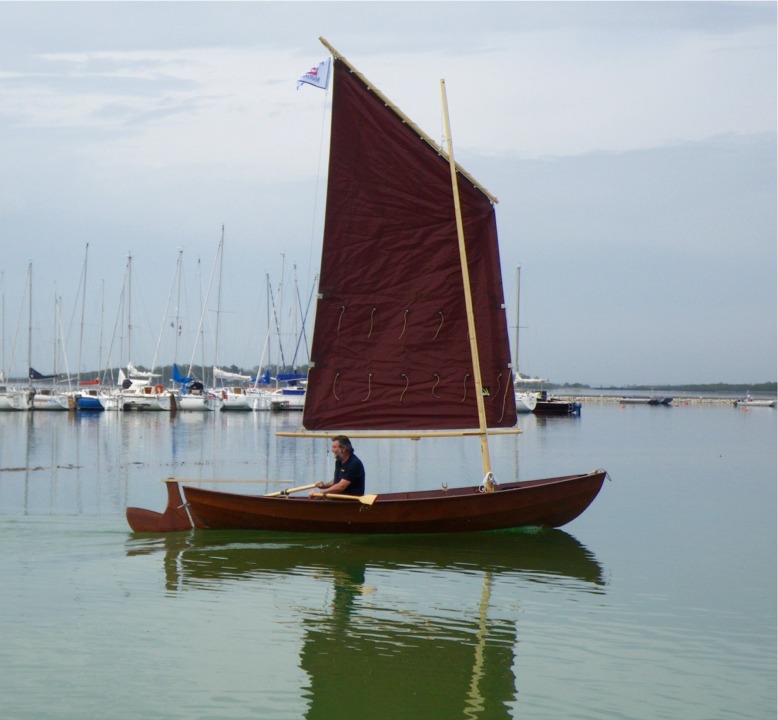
(338, 488)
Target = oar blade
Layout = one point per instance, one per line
(364, 499)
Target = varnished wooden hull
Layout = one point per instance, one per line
(551, 502)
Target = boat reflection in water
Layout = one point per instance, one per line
(402, 634)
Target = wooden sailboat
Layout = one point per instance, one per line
(410, 338)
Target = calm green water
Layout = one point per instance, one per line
(659, 602)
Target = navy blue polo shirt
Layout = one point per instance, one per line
(352, 470)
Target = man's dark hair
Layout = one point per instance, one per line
(344, 442)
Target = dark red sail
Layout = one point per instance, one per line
(390, 347)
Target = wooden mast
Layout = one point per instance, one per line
(479, 396)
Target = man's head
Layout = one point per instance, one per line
(341, 447)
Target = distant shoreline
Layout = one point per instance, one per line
(678, 400)
(712, 394)
(768, 388)
(616, 396)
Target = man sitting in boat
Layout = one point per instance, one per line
(349, 476)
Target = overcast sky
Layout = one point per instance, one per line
(632, 147)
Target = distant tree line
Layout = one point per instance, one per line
(765, 387)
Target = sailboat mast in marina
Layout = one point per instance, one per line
(410, 338)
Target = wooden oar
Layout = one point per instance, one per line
(272, 494)
(290, 490)
(364, 499)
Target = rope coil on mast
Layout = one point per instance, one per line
(488, 484)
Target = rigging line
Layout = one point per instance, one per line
(464, 383)
(504, 396)
(58, 323)
(220, 253)
(405, 323)
(369, 380)
(302, 335)
(437, 382)
(20, 317)
(322, 135)
(437, 332)
(128, 282)
(100, 361)
(203, 311)
(116, 327)
(300, 310)
(372, 313)
(407, 382)
(508, 388)
(147, 325)
(278, 328)
(334, 382)
(82, 291)
(340, 317)
(176, 276)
